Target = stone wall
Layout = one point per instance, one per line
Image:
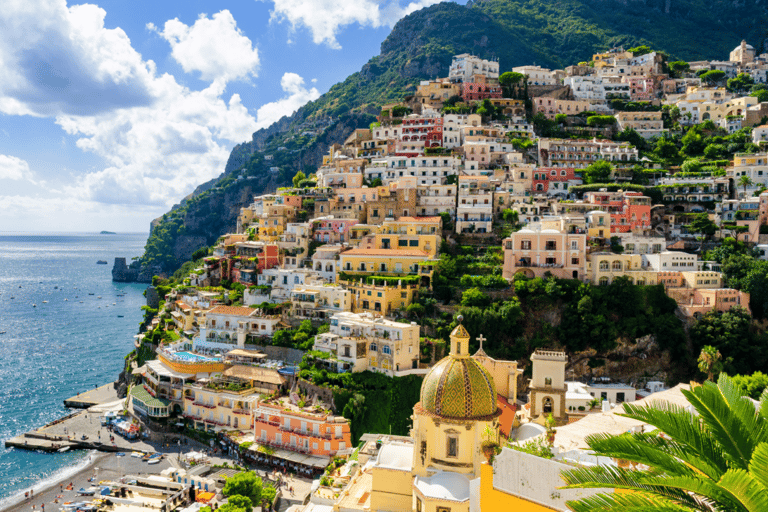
(325, 394)
(285, 354)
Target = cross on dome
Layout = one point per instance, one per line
(481, 339)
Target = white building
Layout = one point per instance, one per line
(283, 281)
(325, 261)
(465, 66)
(230, 326)
(436, 199)
(474, 210)
(537, 75)
(319, 301)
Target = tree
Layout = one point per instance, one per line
(742, 82)
(745, 181)
(237, 502)
(511, 216)
(268, 494)
(679, 67)
(640, 50)
(713, 76)
(753, 385)
(298, 178)
(510, 78)
(561, 118)
(598, 172)
(473, 297)
(713, 460)
(730, 333)
(246, 484)
(710, 362)
(761, 95)
(703, 225)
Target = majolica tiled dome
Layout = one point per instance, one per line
(459, 387)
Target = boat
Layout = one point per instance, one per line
(2, 332)
(34, 305)
(120, 454)
(66, 300)
(101, 262)
(65, 449)
(91, 293)
(45, 302)
(154, 461)
(119, 316)
(55, 287)
(87, 492)
(137, 455)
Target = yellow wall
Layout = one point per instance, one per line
(391, 489)
(492, 500)
(199, 367)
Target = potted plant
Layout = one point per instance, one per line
(549, 424)
(490, 445)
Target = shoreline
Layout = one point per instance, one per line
(44, 490)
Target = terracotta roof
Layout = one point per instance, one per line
(418, 219)
(255, 373)
(232, 310)
(386, 252)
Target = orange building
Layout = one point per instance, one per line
(279, 423)
(629, 210)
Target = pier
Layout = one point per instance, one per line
(95, 396)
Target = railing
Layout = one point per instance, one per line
(207, 406)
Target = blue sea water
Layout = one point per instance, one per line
(60, 348)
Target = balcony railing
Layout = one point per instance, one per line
(207, 406)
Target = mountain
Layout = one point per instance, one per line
(550, 33)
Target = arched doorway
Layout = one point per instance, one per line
(546, 405)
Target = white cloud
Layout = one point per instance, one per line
(13, 168)
(158, 138)
(215, 47)
(66, 61)
(324, 18)
(297, 96)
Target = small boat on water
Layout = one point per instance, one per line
(2, 332)
(91, 293)
(34, 305)
(65, 449)
(101, 262)
(118, 316)
(45, 302)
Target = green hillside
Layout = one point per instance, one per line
(550, 33)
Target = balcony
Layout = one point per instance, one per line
(207, 406)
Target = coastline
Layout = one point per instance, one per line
(45, 490)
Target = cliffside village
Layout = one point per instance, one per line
(354, 247)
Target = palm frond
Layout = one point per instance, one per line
(615, 502)
(612, 477)
(724, 424)
(758, 466)
(763, 407)
(682, 426)
(627, 447)
(751, 495)
(704, 490)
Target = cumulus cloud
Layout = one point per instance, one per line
(66, 61)
(215, 47)
(324, 18)
(13, 168)
(158, 138)
(297, 95)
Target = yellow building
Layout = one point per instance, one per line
(387, 261)
(413, 226)
(382, 296)
(604, 267)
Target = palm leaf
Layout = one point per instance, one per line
(758, 466)
(763, 407)
(634, 502)
(752, 496)
(601, 477)
(627, 447)
(725, 426)
(682, 426)
(688, 455)
(705, 490)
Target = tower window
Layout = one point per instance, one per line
(453, 447)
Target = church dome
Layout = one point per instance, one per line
(459, 387)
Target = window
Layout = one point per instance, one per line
(574, 261)
(373, 347)
(452, 448)
(386, 350)
(413, 243)
(525, 245)
(551, 245)
(616, 265)
(574, 245)
(603, 265)
(402, 243)
(547, 381)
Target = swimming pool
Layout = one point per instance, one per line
(191, 357)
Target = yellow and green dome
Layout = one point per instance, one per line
(459, 387)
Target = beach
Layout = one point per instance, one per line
(100, 466)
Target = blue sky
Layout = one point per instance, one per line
(111, 112)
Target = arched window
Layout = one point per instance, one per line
(616, 265)
(386, 350)
(547, 405)
(603, 281)
(373, 347)
(603, 265)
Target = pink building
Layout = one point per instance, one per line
(629, 210)
(329, 230)
(555, 180)
(699, 301)
(278, 423)
(535, 251)
(641, 88)
(476, 91)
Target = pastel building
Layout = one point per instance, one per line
(211, 404)
(281, 424)
(331, 230)
(230, 326)
(580, 153)
(474, 210)
(319, 301)
(555, 181)
(535, 250)
(465, 67)
(752, 165)
(367, 342)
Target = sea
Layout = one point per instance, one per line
(65, 328)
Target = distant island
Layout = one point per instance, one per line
(107, 233)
